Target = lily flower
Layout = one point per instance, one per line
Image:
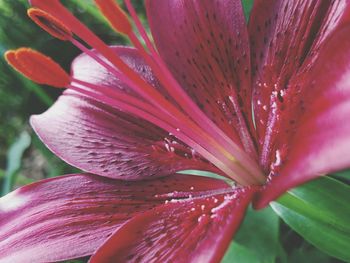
(262, 104)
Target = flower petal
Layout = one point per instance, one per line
(102, 140)
(285, 39)
(71, 216)
(320, 141)
(207, 50)
(192, 230)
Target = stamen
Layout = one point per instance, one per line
(232, 168)
(84, 33)
(37, 67)
(136, 88)
(164, 124)
(139, 27)
(121, 96)
(50, 24)
(146, 111)
(115, 15)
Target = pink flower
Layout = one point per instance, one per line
(133, 117)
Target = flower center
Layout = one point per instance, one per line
(181, 116)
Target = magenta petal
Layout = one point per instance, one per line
(285, 38)
(71, 216)
(207, 50)
(102, 140)
(192, 230)
(321, 140)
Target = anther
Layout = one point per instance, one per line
(115, 16)
(11, 59)
(37, 67)
(50, 24)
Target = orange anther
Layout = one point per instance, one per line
(49, 23)
(37, 67)
(115, 15)
(11, 59)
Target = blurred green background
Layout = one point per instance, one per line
(24, 159)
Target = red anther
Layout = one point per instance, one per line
(50, 24)
(37, 67)
(115, 15)
(11, 59)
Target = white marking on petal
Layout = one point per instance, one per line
(12, 201)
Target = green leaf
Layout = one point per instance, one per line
(309, 255)
(320, 212)
(240, 253)
(14, 160)
(343, 175)
(257, 239)
(247, 6)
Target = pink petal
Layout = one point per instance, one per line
(285, 39)
(192, 230)
(320, 142)
(207, 50)
(102, 140)
(71, 216)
